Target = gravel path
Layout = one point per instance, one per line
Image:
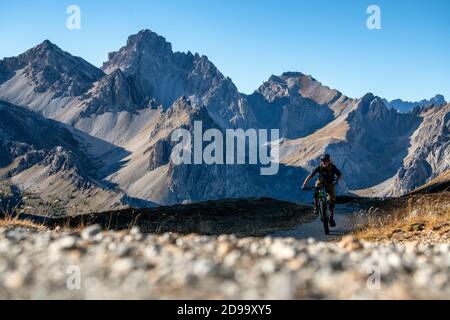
(129, 265)
(344, 217)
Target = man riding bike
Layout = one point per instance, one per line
(329, 176)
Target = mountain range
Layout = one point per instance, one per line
(77, 138)
(405, 106)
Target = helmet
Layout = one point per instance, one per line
(325, 157)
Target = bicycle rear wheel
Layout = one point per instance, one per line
(324, 216)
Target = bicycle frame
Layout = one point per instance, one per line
(322, 207)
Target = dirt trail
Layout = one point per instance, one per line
(314, 229)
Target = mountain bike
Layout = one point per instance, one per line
(322, 207)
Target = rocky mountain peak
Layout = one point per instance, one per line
(151, 41)
(297, 84)
(273, 88)
(372, 107)
(367, 98)
(51, 70)
(438, 99)
(46, 46)
(292, 74)
(166, 76)
(146, 45)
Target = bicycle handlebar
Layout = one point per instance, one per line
(317, 188)
(310, 188)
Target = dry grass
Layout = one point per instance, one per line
(9, 221)
(15, 222)
(418, 218)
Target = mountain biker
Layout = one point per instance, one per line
(329, 176)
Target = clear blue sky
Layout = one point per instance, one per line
(249, 40)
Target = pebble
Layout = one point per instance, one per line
(122, 266)
(223, 248)
(350, 243)
(282, 251)
(135, 231)
(64, 243)
(91, 231)
(13, 280)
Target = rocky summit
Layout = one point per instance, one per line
(104, 133)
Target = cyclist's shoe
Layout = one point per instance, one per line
(316, 212)
(332, 222)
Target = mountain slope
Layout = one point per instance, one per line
(367, 141)
(150, 172)
(42, 157)
(428, 155)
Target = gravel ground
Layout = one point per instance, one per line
(132, 265)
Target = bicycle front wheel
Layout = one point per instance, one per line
(324, 216)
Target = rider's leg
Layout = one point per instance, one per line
(316, 197)
(316, 202)
(331, 190)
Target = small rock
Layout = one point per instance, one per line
(124, 250)
(152, 251)
(223, 248)
(167, 238)
(280, 287)
(91, 231)
(128, 238)
(232, 258)
(135, 231)
(203, 267)
(295, 264)
(282, 251)
(411, 246)
(122, 266)
(64, 243)
(13, 280)
(350, 243)
(267, 266)
(394, 260)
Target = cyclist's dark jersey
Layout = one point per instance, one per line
(327, 174)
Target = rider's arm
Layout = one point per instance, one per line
(338, 173)
(308, 178)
